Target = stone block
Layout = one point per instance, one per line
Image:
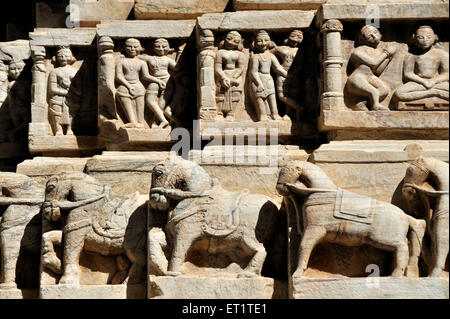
(89, 13)
(277, 4)
(18, 294)
(176, 9)
(61, 36)
(92, 292)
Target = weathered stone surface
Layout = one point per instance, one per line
(88, 14)
(46, 166)
(175, 9)
(93, 292)
(18, 294)
(172, 29)
(269, 20)
(67, 144)
(372, 288)
(61, 36)
(277, 4)
(209, 288)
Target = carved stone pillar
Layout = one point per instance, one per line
(106, 89)
(332, 96)
(38, 92)
(206, 83)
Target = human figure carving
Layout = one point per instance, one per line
(262, 85)
(157, 96)
(426, 70)
(370, 60)
(131, 91)
(229, 67)
(65, 95)
(3, 82)
(287, 53)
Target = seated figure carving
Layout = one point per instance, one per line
(425, 70)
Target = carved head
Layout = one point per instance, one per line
(370, 35)
(416, 174)
(64, 56)
(161, 47)
(233, 41)
(15, 69)
(425, 37)
(295, 38)
(205, 39)
(133, 47)
(290, 174)
(262, 41)
(175, 180)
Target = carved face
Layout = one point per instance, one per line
(51, 211)
(64, 57)
(159, 179)
(232, 41)
(371, 35)
(206, 39)
(289, 174)
(425, 37)
(132, 47)
(161, 47)
(295, 38)
(262, 42)
(15, 69)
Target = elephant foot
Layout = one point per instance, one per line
(8, 285)
(412, 271)
(174, 273)
(435, 273)
(71, 275)
(247, 274)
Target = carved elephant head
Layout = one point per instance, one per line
(175, 180)
(18, 189)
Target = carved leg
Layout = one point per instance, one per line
(401, 258)
(440, 245)
(153, 104)
(157, 260)
(179, 251)
(49, 258)
(140, 108)
(416, 237)
(261, 110)
(255, 265)
(10, 248)
(128, 108)
(310, 239)
(274, 107)
(73, 245)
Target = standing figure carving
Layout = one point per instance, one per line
(130, 91)
(426, 69)
(262, 86)
(229, 67)
(287, 53)
(369, 61)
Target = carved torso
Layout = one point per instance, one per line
(427, 65)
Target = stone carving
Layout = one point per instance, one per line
(426, 72)
(3, 82)
(369, 61)
(262, 87)
(20, 226)
(206, 64)
(97, 220)
(197, 208)
(334, 215)
(65, 93)
(229, 67)
(436, 201)
(287, 54)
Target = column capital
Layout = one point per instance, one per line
(332, 25)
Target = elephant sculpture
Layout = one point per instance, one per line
(330, 214)
(20, 226)
(198, 208)
(98, 221)
(420, 173)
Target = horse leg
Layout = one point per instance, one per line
(255, 265)
(310, 239)
(73, 245)
(440, 241)
(401, 258)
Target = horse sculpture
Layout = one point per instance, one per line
(97, 221)
(330, 214)
(436, 202)
(198, 208)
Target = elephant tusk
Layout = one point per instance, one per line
(6, 201)
(180, 195)
(307, 190)
(68, 205)
(426, 191)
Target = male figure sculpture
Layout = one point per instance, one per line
(131, 91)
(65, 95)
(370, 60)
(229, 66)
(426, 70)
(262, 84)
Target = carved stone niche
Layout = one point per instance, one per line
(64, 98)
(146, 79)
(93, 240)
(248, 79)
(205, 241)
(15, 87)
(379, 76)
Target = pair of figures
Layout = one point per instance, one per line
(15, 93)
(155, 70)
(229, 67)
(426, 71)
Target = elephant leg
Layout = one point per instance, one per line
(10, 249)
(417, 232)
(401, 258)
(255, 265)
(310, 239)
(73, 245)
(440, 246)
(158, 263)
(49, 258)
(137, 258)
(123, 266)
(179, 252)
